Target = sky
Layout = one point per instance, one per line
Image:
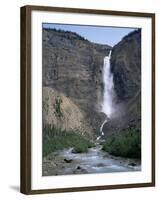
(96, 34)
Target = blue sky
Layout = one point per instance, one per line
(97, 34)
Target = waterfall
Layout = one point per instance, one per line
(107, 105)
(108, 93)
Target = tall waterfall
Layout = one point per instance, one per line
(107, 105)
(108, 95)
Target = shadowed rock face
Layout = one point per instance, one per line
(126, 69)
(73, 66)
(126, 66)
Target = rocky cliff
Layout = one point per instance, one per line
(73, 66)
(126, 69)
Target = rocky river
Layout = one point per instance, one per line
(94, 161)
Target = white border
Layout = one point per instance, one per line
(39, 182)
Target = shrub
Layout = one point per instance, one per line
(58, 112)
(127, 144)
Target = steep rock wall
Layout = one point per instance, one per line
(126, 69)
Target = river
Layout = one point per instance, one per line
(94, 161)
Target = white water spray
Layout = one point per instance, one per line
(107, 105)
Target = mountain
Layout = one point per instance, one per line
(73, 66)
(73, 71)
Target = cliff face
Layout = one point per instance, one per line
(126, 69)
(126, 66)
(73, 66)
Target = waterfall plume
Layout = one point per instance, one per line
(108, 92)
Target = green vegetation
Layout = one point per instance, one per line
(56, 139)
(127, 144)
(58, 111)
